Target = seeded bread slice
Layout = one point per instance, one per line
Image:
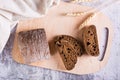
(33, 45)
(68, 48)
(90, 40)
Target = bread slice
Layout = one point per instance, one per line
(68, 48)
(90, 40)
(33, 45)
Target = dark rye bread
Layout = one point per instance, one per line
(90, 40)
(33, 45)
(68, 48)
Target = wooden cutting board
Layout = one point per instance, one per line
(55, 23)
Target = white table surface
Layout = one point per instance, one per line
(10, 70)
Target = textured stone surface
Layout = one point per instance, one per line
(10, 70)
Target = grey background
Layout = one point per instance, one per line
(10, 70)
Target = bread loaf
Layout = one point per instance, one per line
(33, 45)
